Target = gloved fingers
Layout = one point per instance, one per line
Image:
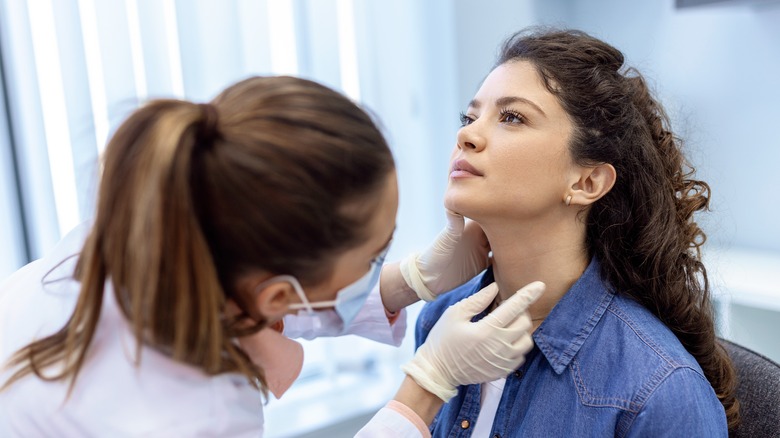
(499, 367)
(521, 324)
(509, 347)
(439, 255)
(512, 355)
(510, 309)
(479, 301)
(500, 363)
(455, 223)
(523, 345)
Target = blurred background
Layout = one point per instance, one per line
(71, 71)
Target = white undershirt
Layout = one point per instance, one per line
(491, 396)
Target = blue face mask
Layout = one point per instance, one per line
(349, 300)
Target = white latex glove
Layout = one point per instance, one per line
(460, 352)
(459, 252)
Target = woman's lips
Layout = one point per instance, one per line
(463, 169)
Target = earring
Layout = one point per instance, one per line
(568, 200)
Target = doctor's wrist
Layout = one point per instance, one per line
(395, 292)
(424, 403)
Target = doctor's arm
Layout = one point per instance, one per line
(458, 352)
(458, 253)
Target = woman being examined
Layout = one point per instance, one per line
(568, 163)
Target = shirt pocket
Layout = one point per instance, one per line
(602, 387)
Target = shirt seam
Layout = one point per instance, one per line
(653, 391)
(618, 312)
(615, 310)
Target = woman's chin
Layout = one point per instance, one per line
(451, 203)
(458, 204)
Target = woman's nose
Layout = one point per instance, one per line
(469, 138)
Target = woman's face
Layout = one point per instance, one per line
(511, 159)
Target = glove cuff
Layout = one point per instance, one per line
(426, 382)
(413, 278)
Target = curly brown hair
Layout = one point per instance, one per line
(642, 231)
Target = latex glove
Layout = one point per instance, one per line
(459, 252)
(460, 352)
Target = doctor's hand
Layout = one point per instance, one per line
(461, 352)
(459, 252)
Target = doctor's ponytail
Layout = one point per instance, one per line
(192, 196)
(147, 241)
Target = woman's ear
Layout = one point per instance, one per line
(593, 183)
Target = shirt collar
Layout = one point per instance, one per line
(573, 319)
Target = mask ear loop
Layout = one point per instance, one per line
(380, 259)
(304, 304)
(376, 263)
(233, 322)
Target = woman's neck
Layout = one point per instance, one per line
(553, 254)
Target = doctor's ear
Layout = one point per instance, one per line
(270, 301)
(591, 184)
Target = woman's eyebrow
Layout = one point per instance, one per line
(508, 100)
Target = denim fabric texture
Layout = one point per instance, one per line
(602, 365)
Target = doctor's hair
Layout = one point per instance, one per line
(276, 174)
(642, 231)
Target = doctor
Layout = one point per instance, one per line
(222, 230)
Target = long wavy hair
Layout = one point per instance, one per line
(192, 196)
(643, 230)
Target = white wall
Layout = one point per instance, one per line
(718, 68)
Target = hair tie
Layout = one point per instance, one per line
(209, 129)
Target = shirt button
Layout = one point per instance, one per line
(465, 424)
(518, 374)
(496, 436)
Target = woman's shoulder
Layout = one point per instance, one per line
(634, 362)
(641, 331)
(639, 357)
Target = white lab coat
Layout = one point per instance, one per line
(116, 397)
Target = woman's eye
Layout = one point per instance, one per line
(465, 120)
(511, 117)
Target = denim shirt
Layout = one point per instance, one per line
(602, 365)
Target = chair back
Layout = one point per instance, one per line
(758, 392)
